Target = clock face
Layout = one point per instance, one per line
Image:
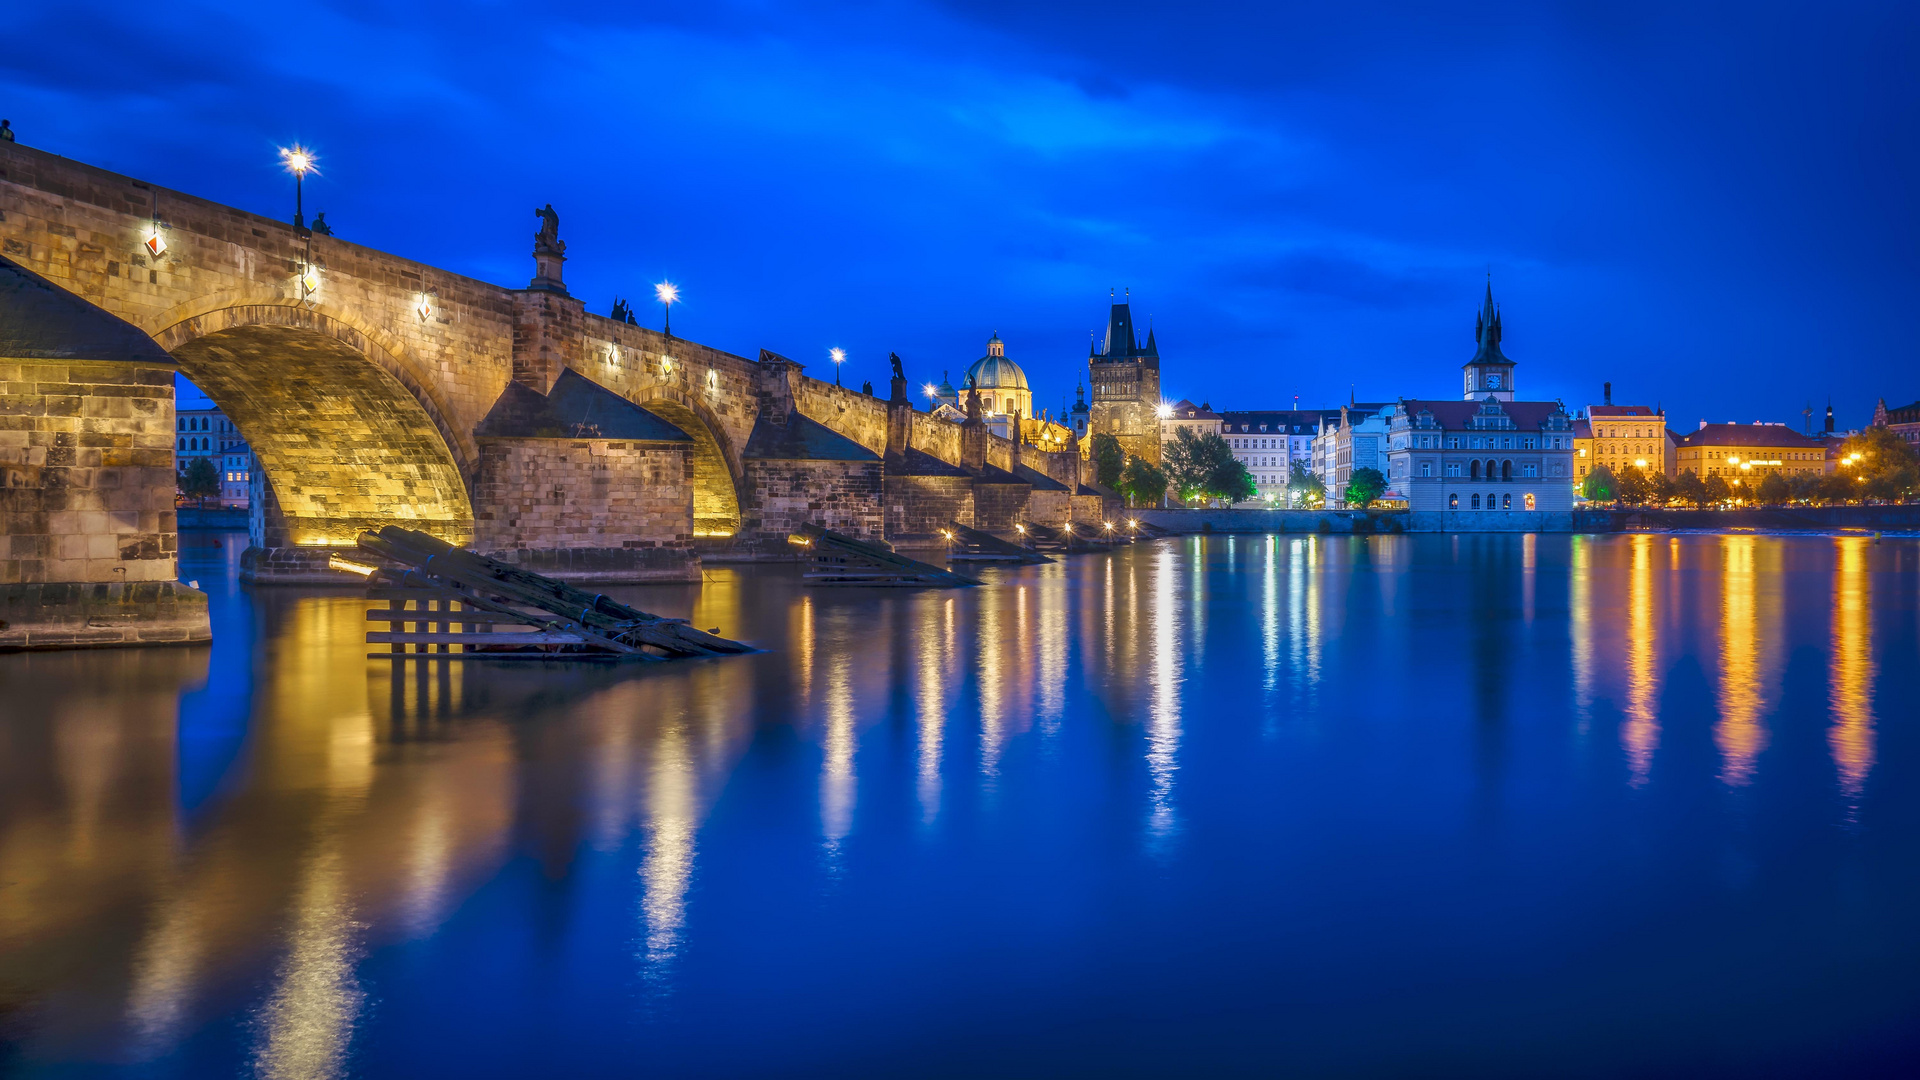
(1493, 381)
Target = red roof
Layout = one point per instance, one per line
(1611, 411)
(1750, 435)
(1582, 429)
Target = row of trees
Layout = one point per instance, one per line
(1203, 468)
(1875, 466)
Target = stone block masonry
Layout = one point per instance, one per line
(844, 496)
(588, 509)
(86, 472)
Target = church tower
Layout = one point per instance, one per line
(1489, 372)
(1125, 376)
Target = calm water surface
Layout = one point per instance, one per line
(1473, 805)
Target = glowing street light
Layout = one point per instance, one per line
(839, 357)
(1165, 411)
(930, 390)
(668, 294)
(299, 161)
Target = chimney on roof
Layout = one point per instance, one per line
(1703, 425)
(1606, 393)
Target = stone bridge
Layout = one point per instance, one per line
(375, 389)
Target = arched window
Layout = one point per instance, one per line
(1529, 500)
(1506, 502)
(1475, 475)
(183, 444)
(1453, 501)
(1506, 470)
(1490, 498)
(1476, 496)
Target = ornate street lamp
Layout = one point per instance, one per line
(668, 294)
(299, 161)
(839, 357)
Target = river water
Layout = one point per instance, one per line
(1448, 805)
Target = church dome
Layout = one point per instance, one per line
(995, 372)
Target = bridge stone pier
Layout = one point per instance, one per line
(378, 390)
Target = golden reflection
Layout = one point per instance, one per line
(1640, 733)
(1163, 710)
(308, 1017)
(1529, 564)
(1748, 659)
(1303, 610)
(1270, 622)
(1580, 628)
(1053, 599)
(836, 775)
(992, 692)
(672, 820)
(1851, 668)
(936, 653)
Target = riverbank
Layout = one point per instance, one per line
(1767, 519)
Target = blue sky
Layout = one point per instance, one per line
(1712, 206)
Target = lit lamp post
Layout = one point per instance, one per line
(299, 161)
(668, 294)
(839, 357)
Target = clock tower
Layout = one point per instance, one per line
(1489, 373)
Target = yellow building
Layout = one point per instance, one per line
(1746, 453)
(1619, 436)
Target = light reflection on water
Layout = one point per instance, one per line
(1171, 743)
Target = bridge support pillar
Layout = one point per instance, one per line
(86, 508)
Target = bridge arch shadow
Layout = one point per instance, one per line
(346, 439)
(716, 462)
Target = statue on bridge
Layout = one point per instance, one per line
(547, 241)
(897, 387)
(973, 400)
(320, 226)
(623, 312)
(898, 373)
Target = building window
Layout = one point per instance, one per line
(1506, 503)
(1529, 500)
(1526, 444)
(1506, 470)
(1426, 468)
(1453, 502)
(1475, 474)
(1476, 500)
(1453, 468)
(1490, 498)
(1530, 471)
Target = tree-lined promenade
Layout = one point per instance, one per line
(1875, 466)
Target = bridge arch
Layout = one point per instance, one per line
(716, 461)
(346, 436)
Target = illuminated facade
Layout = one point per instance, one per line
(1272, 442)
(1903, 421)
(1487, 452)
(1619, 436)
(1125, 376)
(1746, 453)
(208, 433)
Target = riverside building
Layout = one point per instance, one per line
(1488, 451)
(1619, 436)
(1746, 453)
(1125, 376)
(208, 433)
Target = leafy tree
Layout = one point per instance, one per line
(1143, 483)
(1838, 489)
(1661, 488)
(1305, 487)
(1203, 466)
(1689, 489)
(1716, 490)
(200, 480)
(1631, 487)
(1774, 490)
(1364, 486)
(1804, 488)
(1108, 461)
(1600, 485)
(1231, 481)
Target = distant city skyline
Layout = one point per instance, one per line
(1703, 206)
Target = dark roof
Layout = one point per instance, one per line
(1582, 429)
(1457, 415)
(1905, 414)
(1283, 421)
(1486, 335)
(1040, 481)
(1750, 435)
(1610, 411)
(1187, 410)
(802, 438)
(921, 463)
(576, 408)
(42, 321)
(1121, 343)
